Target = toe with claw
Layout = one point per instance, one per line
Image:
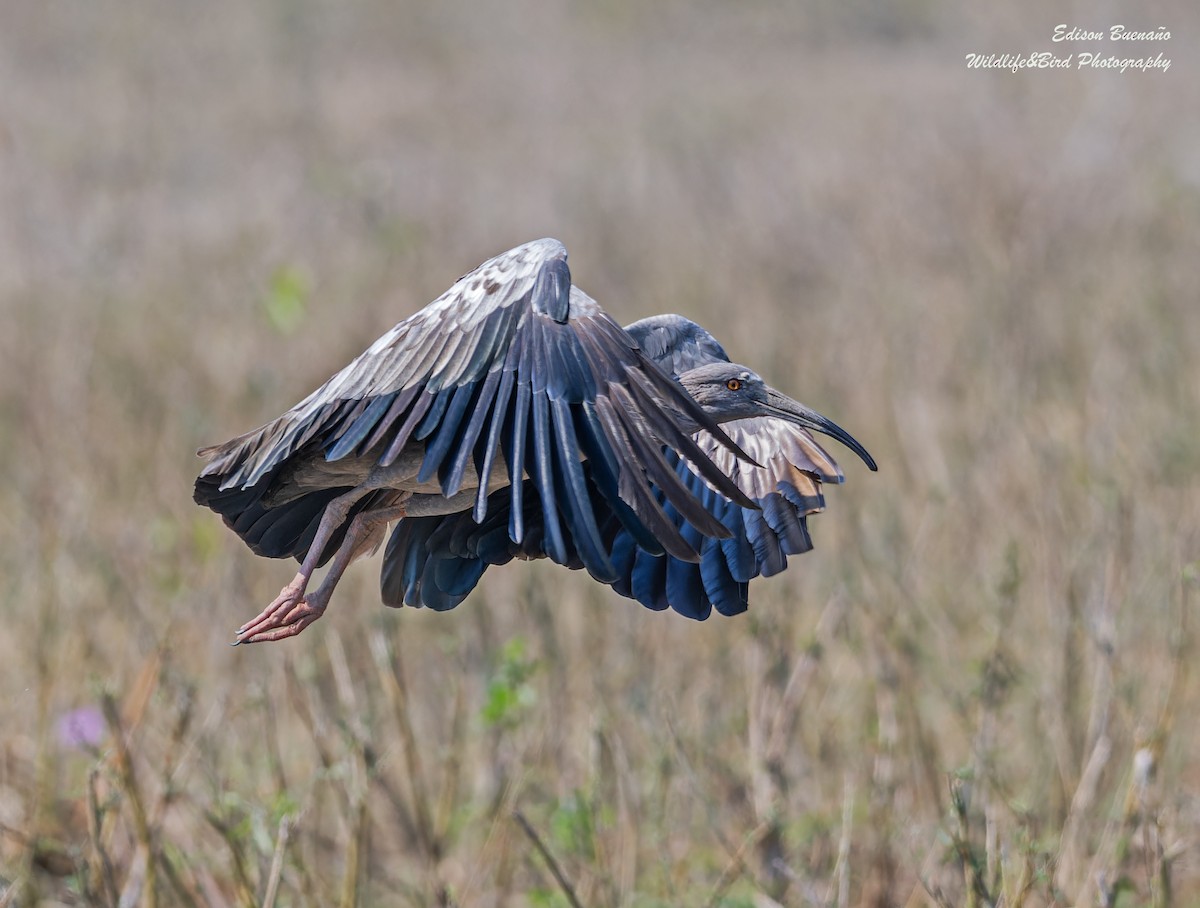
(287, 616)
(294, 609)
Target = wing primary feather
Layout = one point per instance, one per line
(595, 443)
(543, 464)
(767, 551)
(360, 428)
(624, 554)
(419, 408)
(781, 518)
(652, 461)
(400, 403)
(516, 460)
(648, 581)
(355, 427)
(552, 290)
(495, 431)
(344, 412)
(400, 571)
(585, 533)
(569, 374)
(447, 430)
(642, 390)
(669, 388)
(724, 592)
(604, 470)
(434, 417)
(685, 590)
(634, 493)
(466, 445)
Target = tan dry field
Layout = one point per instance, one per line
(975, 691)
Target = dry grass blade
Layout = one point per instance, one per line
(186, 893)
(841, 870)
(936, 893)
(1114, 866)
(303, 703)
(10, 895)
(275, 874)
(559, 877)
(737, 863)
(792, 699)
(974, 871)
(137, 700)
(448, 799)
(358, 782)
(103, 877)
(351, 714)
(391, 673)
(139, 882)
(143, 877)
(242, 886)
(355, 855)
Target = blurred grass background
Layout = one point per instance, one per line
(975, 690)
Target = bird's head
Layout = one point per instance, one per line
(728, 391)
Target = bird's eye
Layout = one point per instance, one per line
(733, 384)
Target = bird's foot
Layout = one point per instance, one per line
(287, 616)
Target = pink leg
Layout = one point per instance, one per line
(293, 593)
(293, 611)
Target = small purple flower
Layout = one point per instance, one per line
(81, 729)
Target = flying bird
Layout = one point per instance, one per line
(513, 418)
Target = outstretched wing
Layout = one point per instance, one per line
(511, 362)
(437, 561)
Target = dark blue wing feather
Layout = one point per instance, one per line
(503, 396)
(464, 443)
(684, 584)
(574, 499)
(543, 445)
(437, 411)
(361, 427)
(415, 414)
(648, 581)
(446, 430)
(516, 439)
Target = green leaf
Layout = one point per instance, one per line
(286, 300)
(509, 694)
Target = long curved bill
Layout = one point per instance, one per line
(795, 412)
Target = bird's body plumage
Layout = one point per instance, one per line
(596, 451)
